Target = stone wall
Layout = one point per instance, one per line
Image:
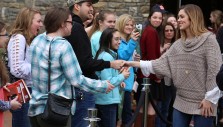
(137, 8)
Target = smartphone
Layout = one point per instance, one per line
(139, 28)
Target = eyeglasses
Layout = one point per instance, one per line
(168, 30)
(70, 22)
(4, 35)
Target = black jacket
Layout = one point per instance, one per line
(82, 48)
(219, 78)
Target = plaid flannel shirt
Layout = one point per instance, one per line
(65, 71)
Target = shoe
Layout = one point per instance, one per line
(191, 123)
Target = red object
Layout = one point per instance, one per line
(150, 48)
(19, 89)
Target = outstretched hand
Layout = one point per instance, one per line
(117, 64)
(128, 64)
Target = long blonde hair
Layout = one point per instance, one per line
(121, 22)
(196, 18)
(23, 23)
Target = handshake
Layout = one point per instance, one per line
(118, 64)
(145, 66)
(123, 67)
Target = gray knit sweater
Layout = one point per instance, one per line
(193, 65)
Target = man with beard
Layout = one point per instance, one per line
(81, 11)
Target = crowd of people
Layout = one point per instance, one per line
(100, 56)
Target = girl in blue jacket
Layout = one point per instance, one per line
(107, 104)
(125, 25)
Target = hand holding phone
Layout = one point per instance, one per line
(135, 35)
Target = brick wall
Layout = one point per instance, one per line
(137, 8)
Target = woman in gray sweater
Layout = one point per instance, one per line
(192, 62)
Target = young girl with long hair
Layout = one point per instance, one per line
(150, 50)
(129, 37)
(107, 104)
(27, 25)
(104, 19)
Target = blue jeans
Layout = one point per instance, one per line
(107, 113)
(127, 110)
(183, 120)
(164, 106)
(20, 116)
(82, 109)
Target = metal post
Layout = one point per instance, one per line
(145, 108)
(92, 117)
(179, 5)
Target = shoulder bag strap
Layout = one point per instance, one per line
(49, 71)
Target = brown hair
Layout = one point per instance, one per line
(3, 71)
(23, 23)
(54, 18)
(163, 32)
(148, 23)
(2, 26)
(168, 15)
(101, 16)
(218, 15)
(196, 18)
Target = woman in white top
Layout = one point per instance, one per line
(25, 28)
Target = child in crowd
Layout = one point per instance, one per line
(27, 25)
(104, 19)
(107, 104)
